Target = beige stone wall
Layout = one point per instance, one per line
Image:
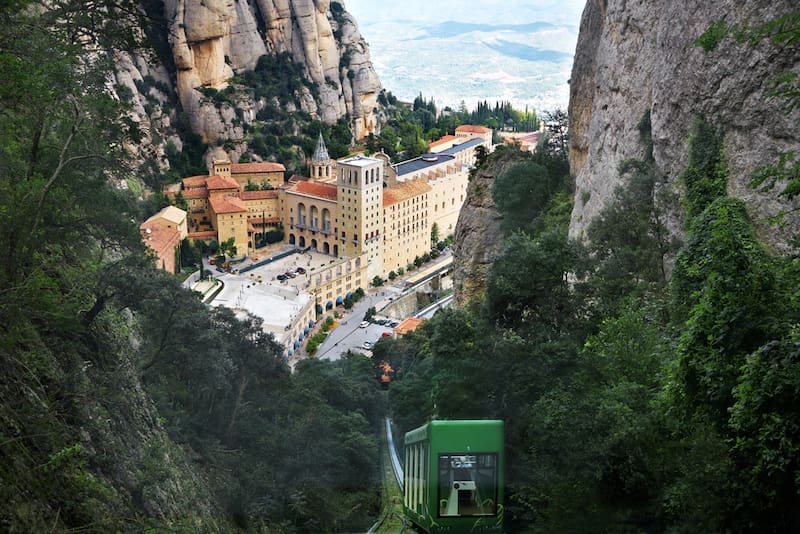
(299, 323)
(275, 179)
(232, 225)
(360, 184)
(446, 199)
(268, 207)
(338, 279)
(199, 216)
(407, 232)
(161, 222)
(311, 222)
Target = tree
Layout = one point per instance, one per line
(377, 281)
(228, 247)
(189, 253)
(705, 176)
(557, 124)
(434, 234)
(522, 192)
(528, 286)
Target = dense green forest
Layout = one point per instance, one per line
(409, 128)
(125, 403)
(632, 402)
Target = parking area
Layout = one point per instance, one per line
(351, 337)
(299, 265)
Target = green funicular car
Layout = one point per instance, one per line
(453, 476)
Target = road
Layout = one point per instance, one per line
(348, 335)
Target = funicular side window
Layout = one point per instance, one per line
(467, 484)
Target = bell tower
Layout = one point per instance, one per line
(360, 197)
(320, 166)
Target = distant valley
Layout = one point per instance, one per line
(457, 54)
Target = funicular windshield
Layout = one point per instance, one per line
(467, 484)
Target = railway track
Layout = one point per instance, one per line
(391, 520)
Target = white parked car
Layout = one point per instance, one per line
(363, 324)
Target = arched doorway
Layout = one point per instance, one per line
(302, 242)
(291, 239)
(314, 244)
(326, 248)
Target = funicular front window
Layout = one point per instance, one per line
(467, 484)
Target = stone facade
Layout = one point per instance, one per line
(406, 227)
(331, 285)
(162, 234)
(357, 207)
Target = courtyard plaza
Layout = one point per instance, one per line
(259, 292)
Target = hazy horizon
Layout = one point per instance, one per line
(454, 51)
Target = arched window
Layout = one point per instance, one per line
(326, 219)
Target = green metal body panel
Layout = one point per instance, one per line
(422, 502)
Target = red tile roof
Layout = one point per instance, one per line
(264, 166)
(221, 182)
(404, 191)
(258, 195)
(194, 182)
(408, 325)
(472, 129)
(314, 189)
(162, 240)
(442, 140)
(227, 204)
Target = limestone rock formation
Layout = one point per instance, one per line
(308, 30)
(211, 41)
(637, 56)
(477, 239)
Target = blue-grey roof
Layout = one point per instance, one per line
(472, 143)
(429, 160)
(321, 152)
(422, 162)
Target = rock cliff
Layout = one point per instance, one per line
(477, 239)
(208, 44)
(634, 56)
